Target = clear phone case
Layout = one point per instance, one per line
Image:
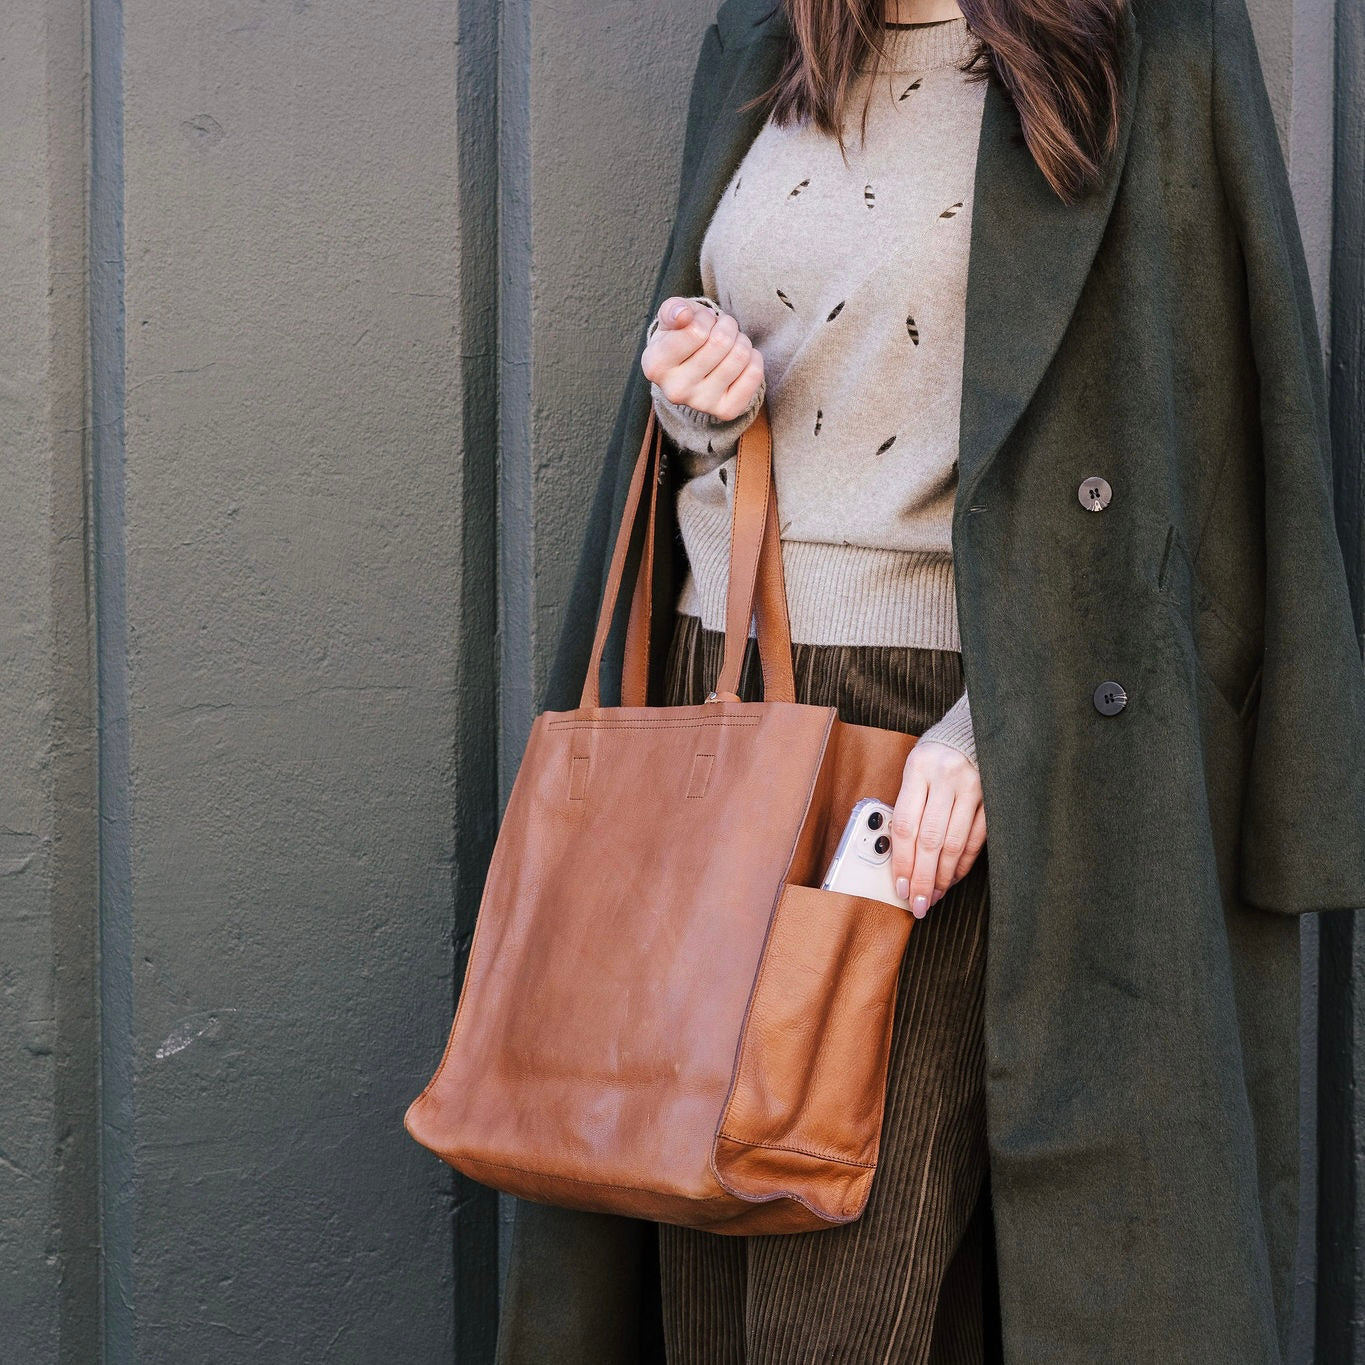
(861, 865)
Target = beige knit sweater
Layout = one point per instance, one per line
(850, 277)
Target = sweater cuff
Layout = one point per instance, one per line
(705, 441)
(955, 728)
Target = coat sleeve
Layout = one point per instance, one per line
(613, 474)
(1303, 818)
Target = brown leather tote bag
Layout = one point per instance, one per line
(663, 1015)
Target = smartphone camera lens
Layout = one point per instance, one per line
(882, 844)
(874, 821)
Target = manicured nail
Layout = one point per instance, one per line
(938, 896)
(920, 907)
(903, 888)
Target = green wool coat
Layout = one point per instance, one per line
(1146, 867)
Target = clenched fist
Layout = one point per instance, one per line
(702, 359)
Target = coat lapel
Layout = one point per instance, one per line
(1030, 257)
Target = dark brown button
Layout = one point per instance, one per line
(1094, 493)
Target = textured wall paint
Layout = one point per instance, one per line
(1311, 140)
(607, 105)
(26, 917)
(293, 529)
(47, 851)
(1295, 40)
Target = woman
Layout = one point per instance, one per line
(1166, 704)
(849, 268)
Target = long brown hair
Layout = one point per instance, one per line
(1059, 61)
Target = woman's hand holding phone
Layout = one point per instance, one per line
(939, 826)
(702, 359)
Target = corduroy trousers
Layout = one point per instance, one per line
(912, 1280)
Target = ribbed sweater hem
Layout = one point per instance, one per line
(836, 594)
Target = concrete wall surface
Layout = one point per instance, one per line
(313, 322)
(49, 1223)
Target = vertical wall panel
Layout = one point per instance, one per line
(26, 913)
(1310, 143)
(293, 524)
(48, 1218)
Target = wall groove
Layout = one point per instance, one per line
(475, 1207)
(516, 488)
(106, 454)
(75, 833)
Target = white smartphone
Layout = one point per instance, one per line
(861, 865)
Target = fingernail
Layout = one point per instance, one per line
(903, 888)
(920, 907)
(677, 312)
(938, 896)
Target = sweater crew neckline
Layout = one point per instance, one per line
(921, 47)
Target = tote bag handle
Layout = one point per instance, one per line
(756, 582)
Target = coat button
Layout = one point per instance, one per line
(1110, 698)
(1094, 493)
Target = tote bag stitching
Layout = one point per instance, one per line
(698, 724)
(800, 1151)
